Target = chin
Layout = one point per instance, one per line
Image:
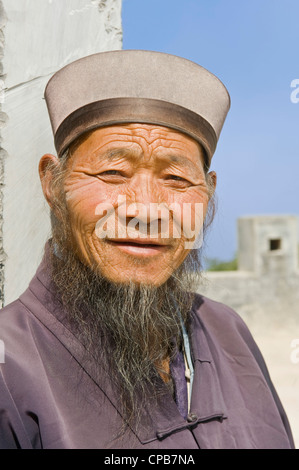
(138, 279)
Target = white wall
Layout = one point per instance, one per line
(40, 37)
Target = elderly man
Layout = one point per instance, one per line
(110, 347)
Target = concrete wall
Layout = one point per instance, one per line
(38, 37)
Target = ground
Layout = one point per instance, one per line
(281, 352)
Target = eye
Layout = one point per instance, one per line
(177, 181)
(111, 173)
(112, 176)
(175, 178)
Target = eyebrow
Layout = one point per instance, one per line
(115, 154)
(175, 158)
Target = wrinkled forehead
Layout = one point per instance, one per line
(140, 142)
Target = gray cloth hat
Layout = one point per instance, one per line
(132, 86)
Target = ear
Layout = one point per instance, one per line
(46, 165)
(212, 183)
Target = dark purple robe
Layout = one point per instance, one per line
(52, 395)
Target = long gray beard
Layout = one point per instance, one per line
(130, 328)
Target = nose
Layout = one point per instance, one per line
(143, 209)
(143, 194)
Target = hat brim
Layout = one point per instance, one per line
(135, 110)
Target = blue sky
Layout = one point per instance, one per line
(253, 47)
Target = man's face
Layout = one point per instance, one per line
(120, 181)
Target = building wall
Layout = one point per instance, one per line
(266, 285)
(38, 38)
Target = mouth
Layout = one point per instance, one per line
(139, 247)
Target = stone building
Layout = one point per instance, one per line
(266, 284)
(38, 37)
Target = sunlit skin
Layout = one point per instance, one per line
(143, 164)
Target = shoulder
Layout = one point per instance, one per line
(226, 329)
(15, 332)
(17, 346)
(217, 315)
(14, 322)
(23, 338)
(228, 334)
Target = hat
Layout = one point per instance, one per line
(133, 86)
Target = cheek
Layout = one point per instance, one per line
(83, 200)
(188, 212)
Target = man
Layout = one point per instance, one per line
(109, 347)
